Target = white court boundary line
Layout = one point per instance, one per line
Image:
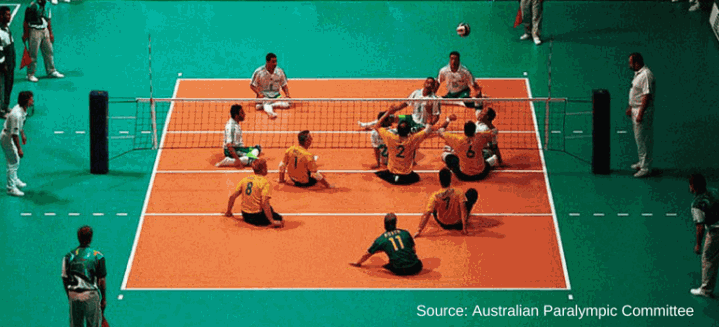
(333, 214)
(247, 171)
(147, 195)
(155, 171)
(549, 192)
(350, 79)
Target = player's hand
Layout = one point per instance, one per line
(452, 117)
(260, 95)
(20, 153)
(277, 223)
(375, 166)
(229, 214)
(52, 38)
(697, 249)
(629, 111)
(417, 234)
(640, 117)
(24, 139)
(354, 264)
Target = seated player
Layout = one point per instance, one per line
(449, 206)
(464, 153)
(266, 83)
(425, 112)
(401, 149)
(459, 80)
(300, 164)
(484, 124)
(380, 149)
(399, 247)
(235, 153)
(256, 192)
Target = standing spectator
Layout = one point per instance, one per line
(705, 214)
(641, 111)
(13, 130)
(399, 247)
(38, 29)
(532, 18)
(83, 274)
(7, 60)
(266, 83)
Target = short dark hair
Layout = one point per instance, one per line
(387, 122)
(454, 53)
(432, 78)
(4, 9)
(445, 177)
(23, 98)
(403, 128)
(259, 164)
(470, 128)
(236, 109)
(490, 114)
(390, 222)
(303, 136)
(269, 56)
(84, 235)
(698, 182)
(638, 59)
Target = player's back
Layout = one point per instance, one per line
(401, 150)
(447, 202)
(253, 189)
(399, 247)
(469, 150)
(300, 164)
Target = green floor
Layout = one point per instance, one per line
(613, 261)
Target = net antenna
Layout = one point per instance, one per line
(152, 101)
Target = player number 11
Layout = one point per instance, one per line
(399, 240)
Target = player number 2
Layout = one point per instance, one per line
(400, 154)
(248, 190)
(399, 240)
(470, 153)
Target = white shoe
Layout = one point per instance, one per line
(19, 183)
(642, 173)
(272, 115)
(316, 157)
(32, 78)
(537, 41)
(492, 161)
(15, 192)
(56, 74)
(698, 292)
(636, 166)
(53, 2)
(525, 36)
(694, 7)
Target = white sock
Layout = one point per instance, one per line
(281, 105)
(368, 124)
(258, 106)
(244, 160)
(268, 109)
(492, 161)
(226, 162)
(255, 152)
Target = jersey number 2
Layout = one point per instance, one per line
(400, 154)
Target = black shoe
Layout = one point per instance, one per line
(259, 148)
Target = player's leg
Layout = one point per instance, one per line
(32, 49)
(312, 181)
(256, 219)
(13, 163)
(710, 261)
(386, 175)
(93, 313)
(472, 197)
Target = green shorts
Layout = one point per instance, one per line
(413, 126)
(458, 95)
(241, 151)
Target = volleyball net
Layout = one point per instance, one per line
(530, 123)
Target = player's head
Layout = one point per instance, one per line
(259, 166)
(454, 60)
(489, 115)
(429, 85)
(25, 99)
(470, 128)
(697, 183)
(445, 177)
(5, 15)
(387, 122)
(237, 113)
(403, 128)
(390, 222)
(304, 138)
(636, 61)
(271, 61)
(436, 86)
(84, 235)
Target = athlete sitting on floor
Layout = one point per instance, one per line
(300, 164)
(424, 113)
(399, 247)
(380, 149)
(463, 154)
(256, 192)
(484, 123)
(401, 150)
(235, 153)
(449, 206)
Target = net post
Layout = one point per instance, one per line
(546, 124)
(600, 131)
(154, 124)
(99, 152)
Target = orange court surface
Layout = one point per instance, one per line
(184, 242)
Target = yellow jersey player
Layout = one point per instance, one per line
(464, 155)
(300, 164)
(449, 206)
(256, 192)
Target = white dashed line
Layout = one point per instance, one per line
(122, 214)
(26, 214)
(671, 214)
(73, 214)
(98, 214)
(598, 214)
(622, 214)
(59, 132)
(574, 214)
(647, 214)
(49, 214)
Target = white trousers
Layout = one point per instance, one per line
(40, 39)
(644, 137)
(12, 157)
(532, 16)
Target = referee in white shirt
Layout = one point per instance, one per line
(12, 133)
(641, 111)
